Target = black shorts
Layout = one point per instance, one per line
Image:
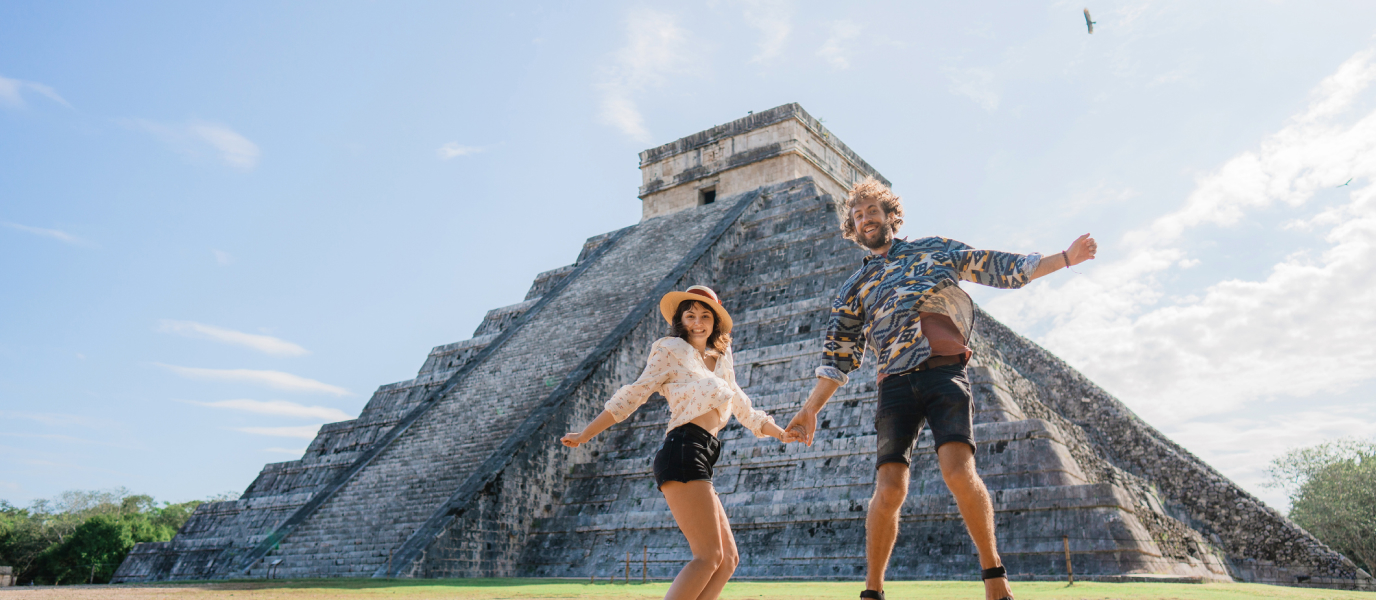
(688, 454)
(940, 396)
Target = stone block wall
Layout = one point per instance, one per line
(765, 148)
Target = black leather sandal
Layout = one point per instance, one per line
(872, 594)
(996, 573)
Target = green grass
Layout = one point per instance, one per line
(493, 589)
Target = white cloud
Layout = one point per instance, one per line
(55, 234)
(262, 343)
(222, 258)
(192, 138)
(11, 92)
(1303, 330)
(306, 432)
(834, 50)
(236, 150)
(280, 408)
(773, 19)
(655, 47)
(273, 379)
(454, 150)
(976, 84)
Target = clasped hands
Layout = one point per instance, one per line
(802, 428)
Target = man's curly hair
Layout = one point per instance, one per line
(870, 188)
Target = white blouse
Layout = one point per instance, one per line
(676, 370)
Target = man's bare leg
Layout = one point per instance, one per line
(957, 462)
(881, 523)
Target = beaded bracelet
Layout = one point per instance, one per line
(1067, 261)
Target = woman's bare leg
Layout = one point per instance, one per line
(729, 559)
(697, 512)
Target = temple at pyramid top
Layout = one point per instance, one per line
(779, 144)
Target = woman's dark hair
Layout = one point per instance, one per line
(718, 343)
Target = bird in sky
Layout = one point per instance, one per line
(1089, 23)
(1347, 182)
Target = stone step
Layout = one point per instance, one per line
(1025, 503)
(451, 357)
(796, 286)
(792, 250)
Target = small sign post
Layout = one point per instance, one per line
(1069, 573)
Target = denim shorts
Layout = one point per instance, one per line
(939, 396)
(688, 454)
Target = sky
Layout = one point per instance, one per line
(222, 225)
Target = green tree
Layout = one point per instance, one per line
(92, 552)
(59, 540)
(1332, 489)
(171, 517)
(22, 537)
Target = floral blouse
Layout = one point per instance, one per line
(676, 370)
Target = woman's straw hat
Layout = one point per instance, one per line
(669, 304)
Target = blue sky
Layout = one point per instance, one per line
(222, 225)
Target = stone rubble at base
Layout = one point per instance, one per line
(480, 486)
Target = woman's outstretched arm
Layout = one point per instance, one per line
(629, 397)
(603, 421)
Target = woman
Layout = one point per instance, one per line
(692, 369)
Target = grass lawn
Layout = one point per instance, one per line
(485, 589)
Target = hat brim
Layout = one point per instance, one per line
(669, 304)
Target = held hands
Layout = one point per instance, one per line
(1082, 249)
(773, 431)
(802, 428)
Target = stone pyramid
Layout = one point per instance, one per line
(458, 472)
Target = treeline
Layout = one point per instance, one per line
(1332, 488)
(83, 536)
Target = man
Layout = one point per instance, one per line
(905, 302)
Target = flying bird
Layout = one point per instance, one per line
(1347, 182)
(1089, 23)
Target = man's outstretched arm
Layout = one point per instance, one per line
(1082, 249)
(843, 348)
(1009, 270)
(804, 425)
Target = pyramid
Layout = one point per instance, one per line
(459, 473)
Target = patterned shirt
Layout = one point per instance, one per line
(676, 370)
(881, 301)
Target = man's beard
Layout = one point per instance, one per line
(881, 237)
